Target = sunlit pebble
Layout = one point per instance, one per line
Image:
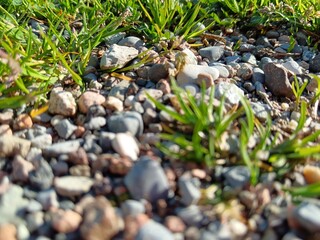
(285, 106)
(311, 174)
(22, 121)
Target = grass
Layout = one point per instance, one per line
(33, 59)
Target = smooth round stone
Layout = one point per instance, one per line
(87, 99)
(131, 41)
(66, 221)
(190, 58)
(96, 123)
(11, 145)
(71, 186)
(157, 72)
(223, 72)
(245, 72)
(8, 231)
(65, 128)
(292, 66)
(191, 215)
(272, 34)
(165, 116)
(213, 53)
(189, 74)
(125, 145)
(126, 121)
(245, 47)
(155, 231)
(113, 104)
(261, 111)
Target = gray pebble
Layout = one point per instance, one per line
(48, 199)
(191, 215)
(132, 208)
(261, 111)
(237, 176)
(315, 64)
(65, 128)
(131, 41)
(157, 72)
(307, 214)
(233, 59)
(213, 53)
(157, 185)
(95, 123)
(249, 58)
(231, 92)
(258, 75)
(126, 121)
(155, 231)
(42, 177)
(190, 193)
(62, 148)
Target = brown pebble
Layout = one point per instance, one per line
(8, 232)
(164, 86)
(199, 173)
(311, 174)
(174, 224)
(5, 130)
(120, 165)
(206, 78)
(21, 169)
(80, 130)
(113, 104)
(89, 99)
(79, 157)
(22, 121)
(99, 220)
(66, 221)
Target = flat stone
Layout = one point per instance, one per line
(190, 58)
(223, 71)
(189, 73)
(71, 186)
(155, 188)
(117, 56)
(6, 117)
(231, 92)
(96, 123)
(60, 148)
(175, 224)
(62, 102)
(11, 146)
(99, 220)
(129, 121)
(213, 53)
(277, 80)
(88, 99)
(120, 90)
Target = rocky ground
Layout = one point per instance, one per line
(87, 168)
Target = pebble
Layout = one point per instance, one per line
(154, 93)
(41, 141)
(311, 174)
(11, 146)
(21, 169)
(155, 188)
(125, 145)
(6, 116)
(88, 99)
(62, 102)
(95, 123)
(174, 224)
(71, 186)
(223, 71)
(249, 58)
(66, 221)
(99, 220)
(157, 72)
(129, 121)
(113, 104)
(120, 90)
(155, 231)
(189, 191)
(189, 73)
(5, 130)
(315, 64)
(245, 71)
(292, 66)
(117, 56)
(60, 148)
(213, 53)
(65, 128)
(206, 79)
(34, 220)
(277, 80)
(237, 176)
(8, 232)
(230, 91)
(132, 208)
(190, 57)
(261, 111)
(191, 215)
(48, 199)
(131, 41)
(42, 176)
(22, 121)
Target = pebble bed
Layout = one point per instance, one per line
(88, 168)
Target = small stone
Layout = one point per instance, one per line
(5, 130)
(307, 215)
(245, 47)
(71, 186)
(95, 123)
(48, 199)
(190, 58)
(11, 146)
(237, 176)
(213, 53)
(230, 91)
(79, 157)
(60, 148)
(174, 224)
(126, 146)
(153, 230)
(117, 56)
(66, 221)
(131, 41)
(41, 141)
(126, 122)
(8, 232)
(154, 93)
(164, 86)
(157, 72)
(238, 228)
(191, 215)
(315, 64)
(80, 170)
(245, 71)
(292, 66)
(121, 89)
(6, 117)
(42, 176)
(65, 128)
(21, 169)
(62, 103)
(22, 121)
(258, 75)
(132, 208)
(261, 111)
(311, 174)
(99, 220)
(155, 188)
(189, 73)
(206, 79)
(277, 80)
(113, 104)
(249, 58)
(88, 99)
(190, 193)
(223, 71)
